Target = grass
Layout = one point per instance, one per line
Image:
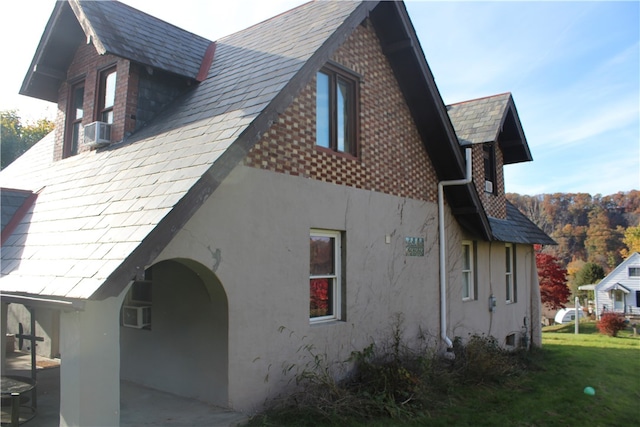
(550, 393)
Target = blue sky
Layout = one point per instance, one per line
(573, 69)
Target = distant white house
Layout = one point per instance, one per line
(620, 290)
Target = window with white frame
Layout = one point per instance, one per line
(468, 271)
(510, 280)
(325, 284)
(634, 271)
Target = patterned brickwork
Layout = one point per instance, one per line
(87, 65)
(495, 205)
(391, 156)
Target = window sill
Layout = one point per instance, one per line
(336, 153)
(324, 322)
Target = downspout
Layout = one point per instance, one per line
(443, 246)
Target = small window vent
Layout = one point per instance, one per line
(136, 316)
(97, 134)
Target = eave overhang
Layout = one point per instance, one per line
(48, 69)
(402, 47)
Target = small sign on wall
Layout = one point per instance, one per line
(414, 246)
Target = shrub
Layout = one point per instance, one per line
(481, 360)
(611, 323)
(391, 379)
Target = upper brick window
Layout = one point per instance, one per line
(74, 119)
(107, 95)
(336, 110)
(489, 155)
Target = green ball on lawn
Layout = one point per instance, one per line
(590, 391)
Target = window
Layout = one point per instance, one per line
(510, 340)
(107, 95)
(74, 119)
(489, 155)
(634, 271)
(468, 271)
(510, 278)
(336, 110)
(325, 286)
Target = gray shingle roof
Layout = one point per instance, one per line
(517, 228)
(11, 201)
(95, 208)
(479, 120)
(129, 33)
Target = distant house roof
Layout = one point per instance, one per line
(113, 28)
(119, 206)
(614, 286)
(491, 119)
(517, 228)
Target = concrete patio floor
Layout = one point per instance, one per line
(140, 406)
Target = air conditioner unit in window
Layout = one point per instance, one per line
(136, 316)
(488, 187)
(97, 134)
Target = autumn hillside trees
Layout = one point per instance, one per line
(597, 229)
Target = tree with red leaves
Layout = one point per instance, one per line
(554, 292)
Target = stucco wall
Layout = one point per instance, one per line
(473, 316)
(259, 223)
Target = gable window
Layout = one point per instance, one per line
(336, 110)
(634, 271)
(510, 278)
(74, 119)
(325, 287)
(489, 156)
(107, 94)
(468, 271)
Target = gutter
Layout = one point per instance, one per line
(443, 246)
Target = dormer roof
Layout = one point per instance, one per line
(113, 28)
(491, 119)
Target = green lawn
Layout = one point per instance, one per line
(551, 393)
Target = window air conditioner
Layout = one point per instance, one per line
(488, 187)
(97, 134)
(136, 316)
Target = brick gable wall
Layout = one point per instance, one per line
(392, 158)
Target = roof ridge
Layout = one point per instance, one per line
(155, 18)
(266, 20)
(480, 99)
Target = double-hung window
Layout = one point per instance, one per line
(336, 110)
(107, 95)
(74, 119)
(468, 271)
(325, 287)
(510, 279)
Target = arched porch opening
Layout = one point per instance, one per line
(174, 332)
